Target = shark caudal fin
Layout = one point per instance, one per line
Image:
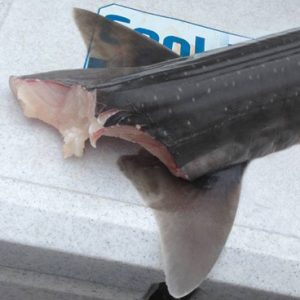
(194, 218)
(116, 45)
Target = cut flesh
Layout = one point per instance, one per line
(71, 109)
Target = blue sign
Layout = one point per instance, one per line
(183, 37)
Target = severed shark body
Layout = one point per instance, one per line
(201, 120)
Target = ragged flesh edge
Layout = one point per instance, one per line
(71, 109)
(137, 135)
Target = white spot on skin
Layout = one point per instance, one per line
(138, 127)
(238, 72)
(179, 89)
(226, 108)
(165, 133)
(155, 98)
(214, 79)
(177, 97)
(208, 90)
(193, 99)
(188, 122)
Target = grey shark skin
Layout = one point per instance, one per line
(204, 117)
(209, 111)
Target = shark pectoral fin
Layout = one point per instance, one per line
(116, 45)
(194, 218)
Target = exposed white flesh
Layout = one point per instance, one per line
(71, 109)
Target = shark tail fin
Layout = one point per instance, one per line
(115, 45)
(194, 218)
